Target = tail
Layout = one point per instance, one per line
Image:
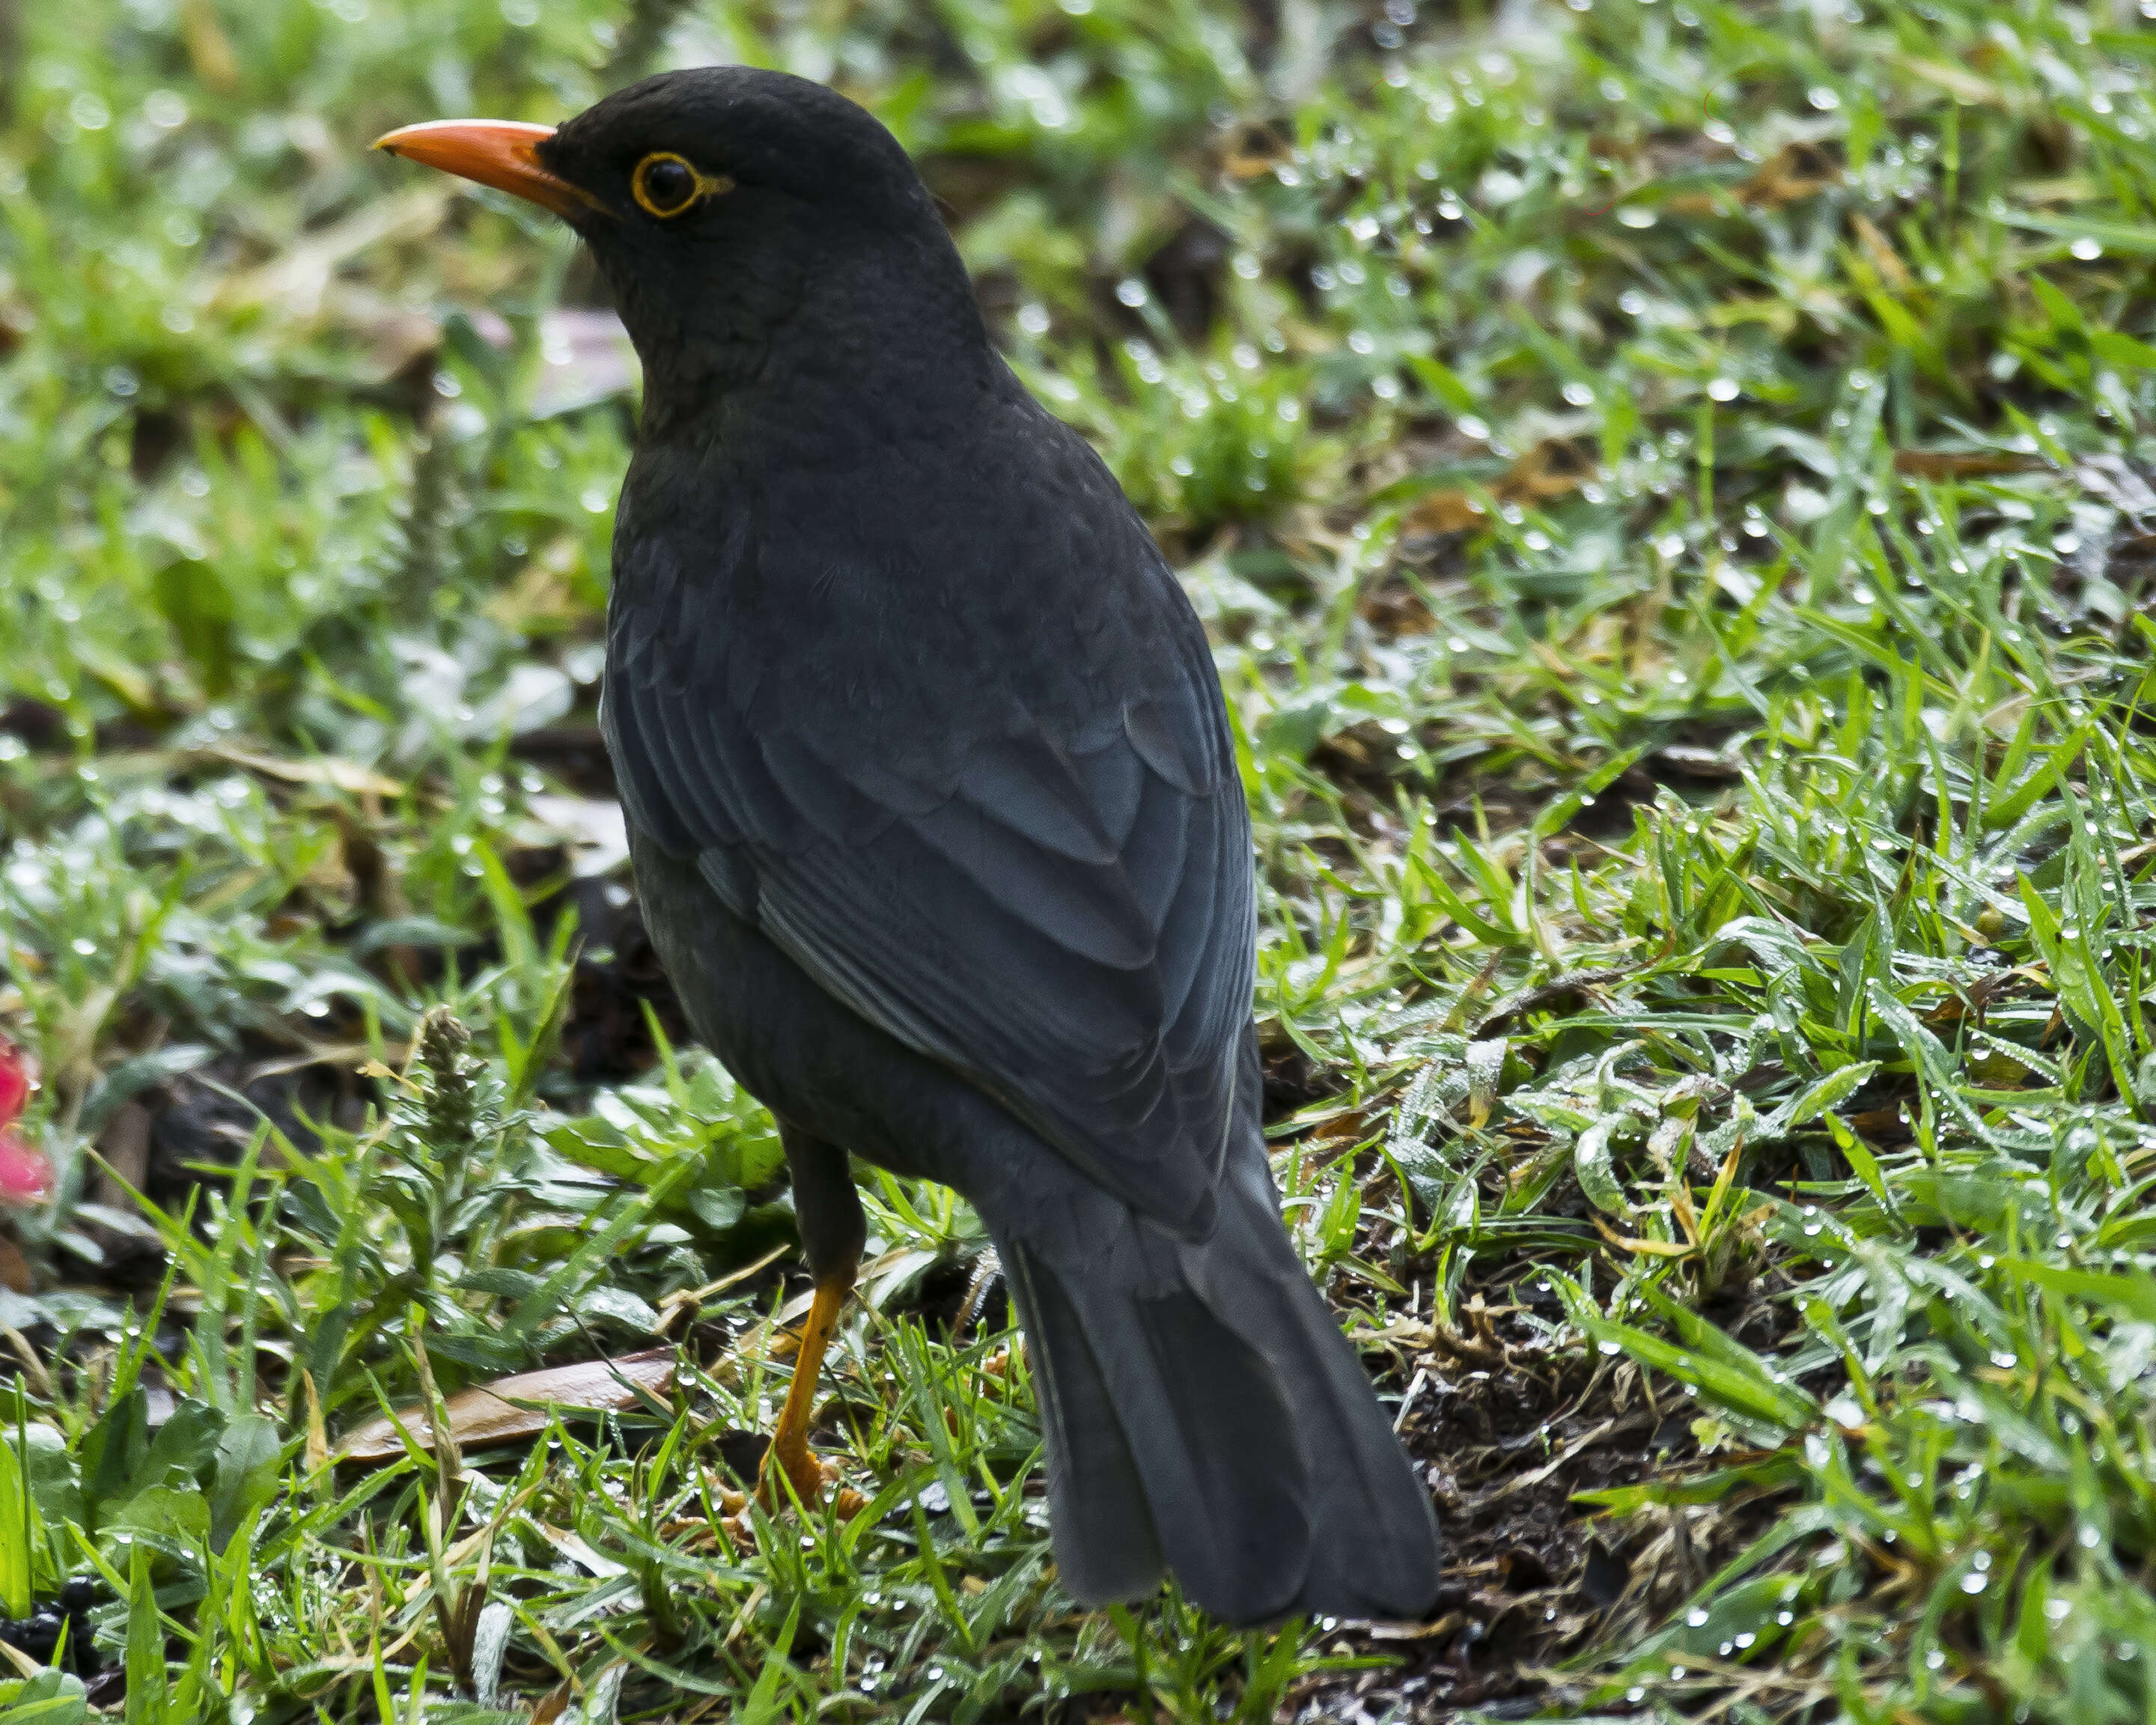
(1205, 1414)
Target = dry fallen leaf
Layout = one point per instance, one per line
(209, 50)
(519, 1406)
(293, 282)
(1555, 467)
(1446, 511)
(1251, 152)
(574, 1547)
(323, 770)
(1961, 464)
(1958, 82)
(1797, 171)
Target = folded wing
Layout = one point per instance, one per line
(1059, 908)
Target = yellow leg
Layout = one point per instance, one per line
(789, 1441)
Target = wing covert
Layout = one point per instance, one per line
(1061, 912)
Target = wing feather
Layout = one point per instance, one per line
(1060, 910)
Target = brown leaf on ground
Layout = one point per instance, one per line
(1797, 171)
(1445, 512)
(1556, 467)
(1252, 151)
(518, 1406)
(209, 50)
(1879, 251)
(292, 284)
(1962, 464)
(1958, 82)
(322, 770)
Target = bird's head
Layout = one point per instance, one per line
(722, 202)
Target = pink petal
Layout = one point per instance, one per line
(14, 1081)
(25, 1176)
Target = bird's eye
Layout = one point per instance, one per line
(665, 185)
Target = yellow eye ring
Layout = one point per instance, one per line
(665, 185)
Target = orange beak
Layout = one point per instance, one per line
(500, 153)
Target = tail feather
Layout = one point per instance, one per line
(1204, 1410)
(1093, 1483)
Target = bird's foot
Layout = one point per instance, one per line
(805, 1470)
(810, 1476)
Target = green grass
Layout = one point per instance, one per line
(1670, 484)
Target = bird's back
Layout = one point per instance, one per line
(938, 718)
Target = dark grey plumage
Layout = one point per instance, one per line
(938, 827)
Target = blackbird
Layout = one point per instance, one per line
(936, 822)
